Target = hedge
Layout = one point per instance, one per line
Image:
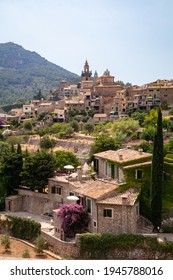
(97, 246)
(22, 228)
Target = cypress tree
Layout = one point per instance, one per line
(157, 175)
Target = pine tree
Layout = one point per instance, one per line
(157, 176)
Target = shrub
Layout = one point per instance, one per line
(26, 254)
(39, 245)
(75, 218)
(47, 143)
(5, 242)
(89, 127)
(28, 125)
(23, 228)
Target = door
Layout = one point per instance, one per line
(112, 171)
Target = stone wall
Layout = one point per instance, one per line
(124, 219)
(13, 203)
(64, 249)
(34, 202)
(71, 250)
(79, 144)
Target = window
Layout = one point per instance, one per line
(107, 213)
(112, 171)
(88, 205)
(56, 190)
(71, 193)
(95, 224)
(138, 174)
(106, 168)
(96, 165)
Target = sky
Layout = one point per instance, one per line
(133, 39)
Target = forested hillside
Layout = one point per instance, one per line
(23, 73)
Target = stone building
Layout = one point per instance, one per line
(59, 115)
(113, 164)
(109, 210)
(105, 89)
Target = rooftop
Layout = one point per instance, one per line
(129, 196)
(100, 116)
(94, 189)
(123, 155)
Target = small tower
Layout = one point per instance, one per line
(95, 75)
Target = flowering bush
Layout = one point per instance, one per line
(75, 218)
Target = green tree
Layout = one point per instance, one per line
(11, 167)
(157, 175)
(126, 126)
(119, 137)
(145, 146)
(139, 116)
(39, 245)
(90, 113)
(165, 105)
(47, 143)
(168, 147)
(73, 112)
(68, 132)
(151, 118)
(4, 149)
(55, 128)
(63, 158)
(37, 169)
(75, 125)
(5, 241)
(103, 143)
(89, 127)
(171, 112)
(167, 124)
(148, 133)
(28, 125)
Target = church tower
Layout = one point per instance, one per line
(86, 74)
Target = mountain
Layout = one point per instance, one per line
(23, 73)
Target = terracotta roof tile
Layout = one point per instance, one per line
(128, 198)
(122, 155)
(93, 189)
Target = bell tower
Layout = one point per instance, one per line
(86, 74)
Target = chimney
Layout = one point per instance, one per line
(124, 199)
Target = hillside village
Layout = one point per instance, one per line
(112, 184)
(101, 97)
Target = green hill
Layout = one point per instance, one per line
(23, 73)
